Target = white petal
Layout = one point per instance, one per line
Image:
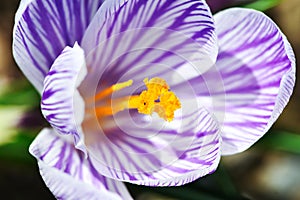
(257, 66)
(43, 28)
(68, 174)
(61, 102)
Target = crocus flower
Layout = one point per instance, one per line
(147, 92)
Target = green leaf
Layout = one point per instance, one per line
(284, 141)
(263, 5)
(17, 150)
(219, 184)
(22, 93)
(225, 183)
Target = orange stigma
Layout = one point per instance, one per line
(156, 98)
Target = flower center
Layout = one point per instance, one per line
(156, 98)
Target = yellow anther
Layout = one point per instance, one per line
(157, 98)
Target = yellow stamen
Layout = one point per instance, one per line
(157, 98)
(110, 90)
(122, 85)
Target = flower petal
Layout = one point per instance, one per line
(146, 150)
(138, 37)
(67, 174)
(257, 66)
(43, 28)
(61, 102)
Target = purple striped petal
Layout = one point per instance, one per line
(68, 174)
(61, 103)
(139, 38)
(257, 66)
(146, 150)
(43, 28)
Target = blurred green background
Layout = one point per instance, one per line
(268, 170)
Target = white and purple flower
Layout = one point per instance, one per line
(149, 92)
